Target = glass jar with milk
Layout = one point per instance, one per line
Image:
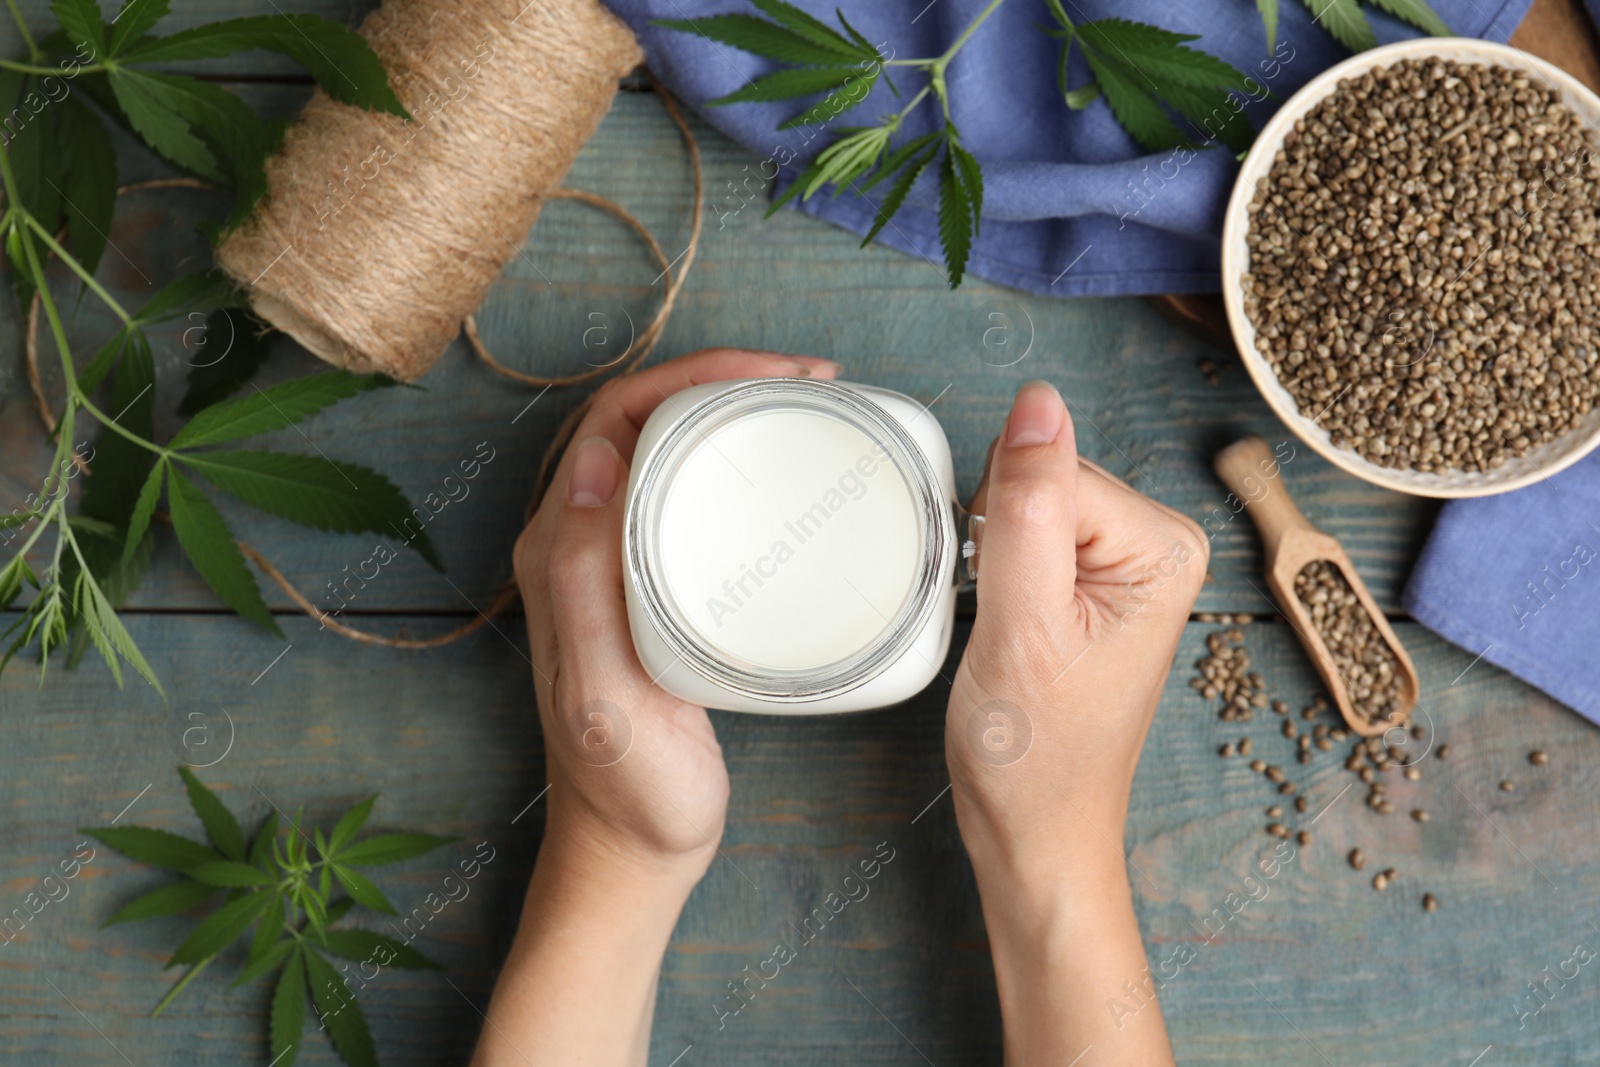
(793, 546)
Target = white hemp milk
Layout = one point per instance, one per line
(791, 546)
(792, 538)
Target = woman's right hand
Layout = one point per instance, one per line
(1084, 587)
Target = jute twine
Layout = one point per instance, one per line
(378, 234)
(630, 360)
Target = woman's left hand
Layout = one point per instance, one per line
(633, 770)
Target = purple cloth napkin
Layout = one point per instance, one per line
(1072, 206)
(1516, 578)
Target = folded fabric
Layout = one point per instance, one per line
(1072, 205)
(1516, 578)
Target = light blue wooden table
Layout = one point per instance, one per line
(1321, 970)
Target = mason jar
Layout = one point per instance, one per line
(794, 546)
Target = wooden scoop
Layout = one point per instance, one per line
(1289, 542)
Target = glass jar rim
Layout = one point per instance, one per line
(641, 548)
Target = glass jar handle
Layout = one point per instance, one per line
(970, 528)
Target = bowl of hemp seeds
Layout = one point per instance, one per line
(1411, 267)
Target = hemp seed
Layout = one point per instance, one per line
(1363, 657)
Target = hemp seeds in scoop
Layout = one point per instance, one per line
(1424, 265)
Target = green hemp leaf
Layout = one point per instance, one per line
(283, 890)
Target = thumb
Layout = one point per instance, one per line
(1028, 563)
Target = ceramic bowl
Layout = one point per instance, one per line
(1532, 465)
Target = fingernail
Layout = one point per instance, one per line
(815, 367)
(1036, 416)
(594, 473)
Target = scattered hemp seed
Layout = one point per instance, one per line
(1364, 659)
(1413, 774)
(1390, 873)
(1274, 774)
(1507, 785)
(1280, 707)
(1538, 758)
(1303, 838)
(1275, 812)
(1358, 859)
(1286, 788)
(1307, 714)
(1419, 815)
(1429, 296)
(1288, 729)
(1300, 805)
(1226, 750)
(1257, 765)
(1430, 902)
(1385, 807)
(1224, 674)
(1443, 752)
(1245, 746)
(1380, 882)
(1277, 829)
(1417, 732)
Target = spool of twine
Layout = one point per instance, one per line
(378, 235)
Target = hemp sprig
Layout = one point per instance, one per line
(1348, 24)
(288, 895)
(58, 173)
(1164, 93)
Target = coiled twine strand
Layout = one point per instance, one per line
(378, 235)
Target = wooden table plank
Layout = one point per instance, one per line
(449, 738)
(1142, 408)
